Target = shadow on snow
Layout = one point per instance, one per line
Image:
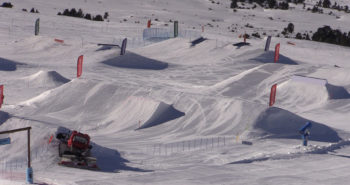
(8, 65)
(110, 160)
(4, 116)
(268, 57)
(135, 61)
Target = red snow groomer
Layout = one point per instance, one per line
(75, 150)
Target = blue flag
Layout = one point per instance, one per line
(268, 41)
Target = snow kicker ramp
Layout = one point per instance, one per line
(135, 61)
(45, 78)
(301, 94)
(308, 92)
(278, 123)
(334, 92)
(245, 84)
(162, 114)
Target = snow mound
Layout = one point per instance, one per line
(162, 114)
(140, 113)
(46, 78)
(135, 61)
(39, 43)
(119, 107)
(279, 123)
(180, 51)
(243, 84)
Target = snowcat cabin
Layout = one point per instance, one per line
(79, 140)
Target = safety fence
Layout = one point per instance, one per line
(165, 33)
(167, 149)
(91, 32)
(15, 169)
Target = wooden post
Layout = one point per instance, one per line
(176, 28)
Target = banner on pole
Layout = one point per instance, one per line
(268, 41)
(80, 66)
(273, 95)
(1, 95)
(37, 26)
(149, 24)
(5, 141)
(123, 49)
(59, 41)
(277, 52)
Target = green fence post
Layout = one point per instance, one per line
(37, 26)
(176, 28)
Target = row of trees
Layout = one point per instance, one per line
(79, 14)
(328, 35)
(7, 5)
(33, 10)
(327, 4)
(265, 3)
(323, 34)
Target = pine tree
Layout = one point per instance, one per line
(233, 4)
(290, 28)
(326, 3)
(272, 3)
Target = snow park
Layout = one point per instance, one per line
(166, 92)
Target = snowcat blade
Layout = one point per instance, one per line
(84, 163)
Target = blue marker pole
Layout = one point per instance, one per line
(305, 133)
(29, 176)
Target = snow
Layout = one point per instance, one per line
(168, 111)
